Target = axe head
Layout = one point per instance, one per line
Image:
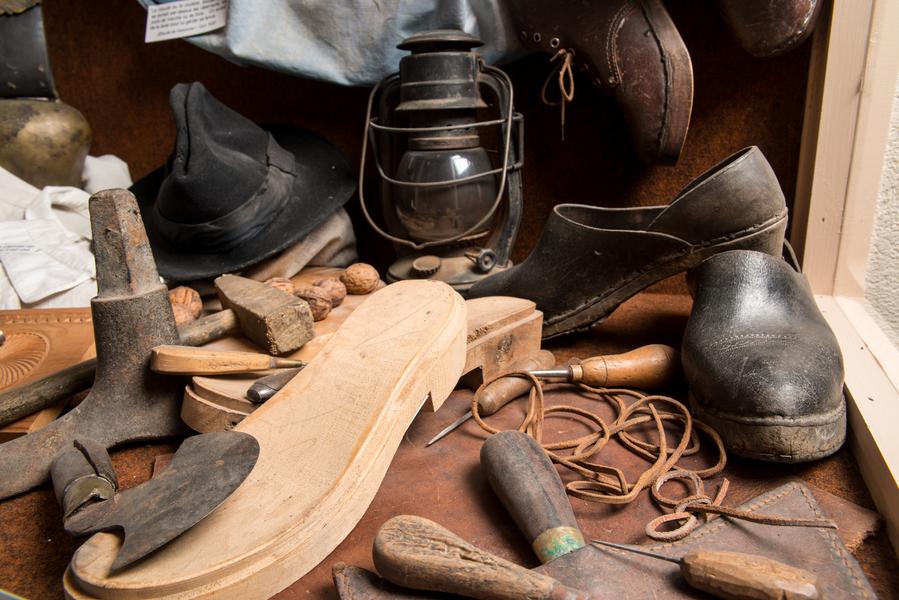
(206, 470)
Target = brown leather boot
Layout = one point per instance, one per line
(629, 47)
(770, 27)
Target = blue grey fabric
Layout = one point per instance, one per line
(349, 42)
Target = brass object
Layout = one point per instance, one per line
(43, 142)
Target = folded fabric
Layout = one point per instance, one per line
(350, 42)
(45, 238)
(333, 244)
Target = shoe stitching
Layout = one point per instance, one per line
(611, 40)
(749, 337)
(666, 68)
(684, 252)
(837, 551)
(818, 420)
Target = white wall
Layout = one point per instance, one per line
(882, 281)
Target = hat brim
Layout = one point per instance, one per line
(323, 184)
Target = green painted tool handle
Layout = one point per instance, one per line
(526, 481)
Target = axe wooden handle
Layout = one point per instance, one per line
(186, 360)
(420, 554)
(209, 328)
(529, 486)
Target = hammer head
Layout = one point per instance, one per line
(273, 319)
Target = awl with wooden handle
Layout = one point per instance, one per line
(187, 360)
(650, 367)
(738, 576)
(502, 391)
(417, 553)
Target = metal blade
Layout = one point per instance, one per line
(446, 430)
(636, 550)
(206, 470)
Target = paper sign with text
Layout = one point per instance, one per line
(184, 18)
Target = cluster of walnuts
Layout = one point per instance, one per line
(328, 293)
(322, 295)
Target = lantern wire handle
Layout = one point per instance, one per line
(504, 171)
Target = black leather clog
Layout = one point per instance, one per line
(591, 259)
(764, 367)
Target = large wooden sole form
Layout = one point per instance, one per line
(326, 441)
(500, 332)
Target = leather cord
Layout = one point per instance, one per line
(565, 78)
(607, 484)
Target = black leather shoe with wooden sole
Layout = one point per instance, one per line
(764, 367)
(591, 259)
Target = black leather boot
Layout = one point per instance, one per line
(764, 368)
(630, 48)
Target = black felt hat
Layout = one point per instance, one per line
(233, 193)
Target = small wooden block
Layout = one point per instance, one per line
(276, 321)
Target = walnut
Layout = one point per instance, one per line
(360, 278)
(381, 284)
(335, 289)
(319, 301)
(186, 304)
(281, 283)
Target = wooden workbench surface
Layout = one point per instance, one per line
(444, 483)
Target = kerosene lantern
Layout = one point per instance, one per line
(451, 199)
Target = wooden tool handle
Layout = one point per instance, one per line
(526, 481)
(504, 390)
(186, 360)
(650, 367)
(22, 400)
(209, 328)
(747, 577)
(417, 553)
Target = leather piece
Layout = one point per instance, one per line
(630, 47)
(590, 259)
(620, 574)
(770, 27)
(763, 365)
(613, 573)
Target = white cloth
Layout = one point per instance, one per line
(45, 238)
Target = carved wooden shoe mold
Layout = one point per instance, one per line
(326, 441)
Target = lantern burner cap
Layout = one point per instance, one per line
(440, 39)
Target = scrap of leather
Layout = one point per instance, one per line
(624, 575)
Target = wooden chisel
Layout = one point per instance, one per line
(187, 360)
